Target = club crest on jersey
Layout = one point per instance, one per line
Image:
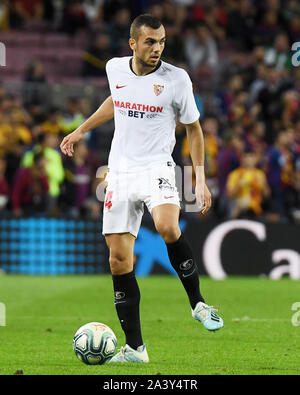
(158, 89)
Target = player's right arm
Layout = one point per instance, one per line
(104, 113)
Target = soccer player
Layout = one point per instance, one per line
(147, 97)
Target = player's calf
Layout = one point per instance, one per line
(127, 302)
(182, 260)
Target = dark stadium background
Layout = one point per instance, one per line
(238, 54)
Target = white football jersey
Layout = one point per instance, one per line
(146, 109)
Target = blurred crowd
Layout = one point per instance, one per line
(238, 53)
(34, 176)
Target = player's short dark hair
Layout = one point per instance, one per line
(143, 20)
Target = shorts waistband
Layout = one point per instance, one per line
(169, 164)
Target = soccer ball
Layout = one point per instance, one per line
(94, 343)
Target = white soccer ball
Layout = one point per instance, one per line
(94, 343)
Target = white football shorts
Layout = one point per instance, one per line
(126, 194)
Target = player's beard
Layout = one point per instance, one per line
(144, 64)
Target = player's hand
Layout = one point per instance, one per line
(67, 145)
(203, 197)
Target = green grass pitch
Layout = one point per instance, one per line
(43, 313)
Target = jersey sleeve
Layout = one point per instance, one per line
(109, 65)
(109, 68)
(184, 99)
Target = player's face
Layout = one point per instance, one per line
(149, 45)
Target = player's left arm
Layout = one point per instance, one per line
(197, 152)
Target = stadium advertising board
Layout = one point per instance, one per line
(236, 247)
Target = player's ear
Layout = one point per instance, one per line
(132, 43)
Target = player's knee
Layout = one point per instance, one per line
(169, 232)
(119, 264)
